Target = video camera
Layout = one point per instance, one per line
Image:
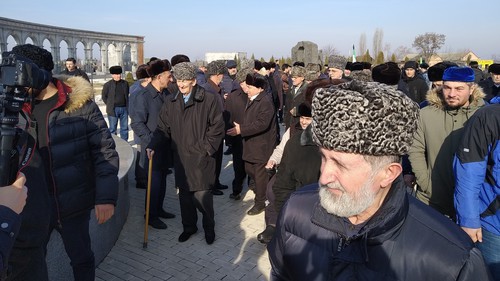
(17, 75)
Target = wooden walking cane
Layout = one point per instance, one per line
(148, 199)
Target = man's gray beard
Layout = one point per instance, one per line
(346, 205)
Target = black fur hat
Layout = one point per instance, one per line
(256, 81)
(158, 66)
(304, 109)
(39, 56)
(435, 72)
(494, 68)
(388, 73)
(116, 69)
(364, 118)
(179, 58)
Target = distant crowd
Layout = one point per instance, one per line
(386, 172)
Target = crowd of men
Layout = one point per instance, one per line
(386, 172)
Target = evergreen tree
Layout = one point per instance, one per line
(272, 59)
(252, 57)
(366, 57)
(393, 57)
(380, 58)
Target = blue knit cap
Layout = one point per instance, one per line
(459, 74)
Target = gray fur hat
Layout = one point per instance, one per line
(215, 68)
(361, 75)
(241, 75)
(337, 62)
(298, 71)
(365, 118)
(184, 71)
(312, 75)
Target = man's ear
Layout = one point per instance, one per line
(389, 173)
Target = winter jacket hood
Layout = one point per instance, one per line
(78, 90)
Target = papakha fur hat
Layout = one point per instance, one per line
(494, 68)
(298, 71)
(388, 73)
(184, 71)
(158, 66)
(365, 118)
(337, 62)
(215, 68)
(241, 75)
(256, 80)
(361, 76)
(39, 56)
(115, 69)
(435, 72)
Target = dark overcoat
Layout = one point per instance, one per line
(195, 130)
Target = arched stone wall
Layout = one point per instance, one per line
(128, 50)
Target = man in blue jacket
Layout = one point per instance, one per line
(361, 224)
(477, 192)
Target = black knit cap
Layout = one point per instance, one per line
(39, 56)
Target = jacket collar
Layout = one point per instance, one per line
(306, 138)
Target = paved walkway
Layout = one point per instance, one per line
(235, 255)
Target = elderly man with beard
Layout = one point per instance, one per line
(361, 224)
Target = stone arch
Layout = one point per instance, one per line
(13, 40)
(127, 58)
(80, 54)
(112, 56)
(111, 47)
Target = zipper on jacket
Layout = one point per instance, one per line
(54, 187)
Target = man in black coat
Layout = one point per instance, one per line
(360, 223)
(259, 137)
(412, 83)
(215, 74)
(115, 96)
(236, 102)
(491, 86)
(146, 108)
(191, 120)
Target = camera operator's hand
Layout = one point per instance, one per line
(103, 212)
(14, 196)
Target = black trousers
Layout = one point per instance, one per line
(218, 163)
(258, 172)
(271, 215)
(76, 239)
(28, 264)
(238, 165)
(158, 189)
(190, 201)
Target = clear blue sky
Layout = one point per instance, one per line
(271, 27)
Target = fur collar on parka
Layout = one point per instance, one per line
(78, 91)
(436, 99)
